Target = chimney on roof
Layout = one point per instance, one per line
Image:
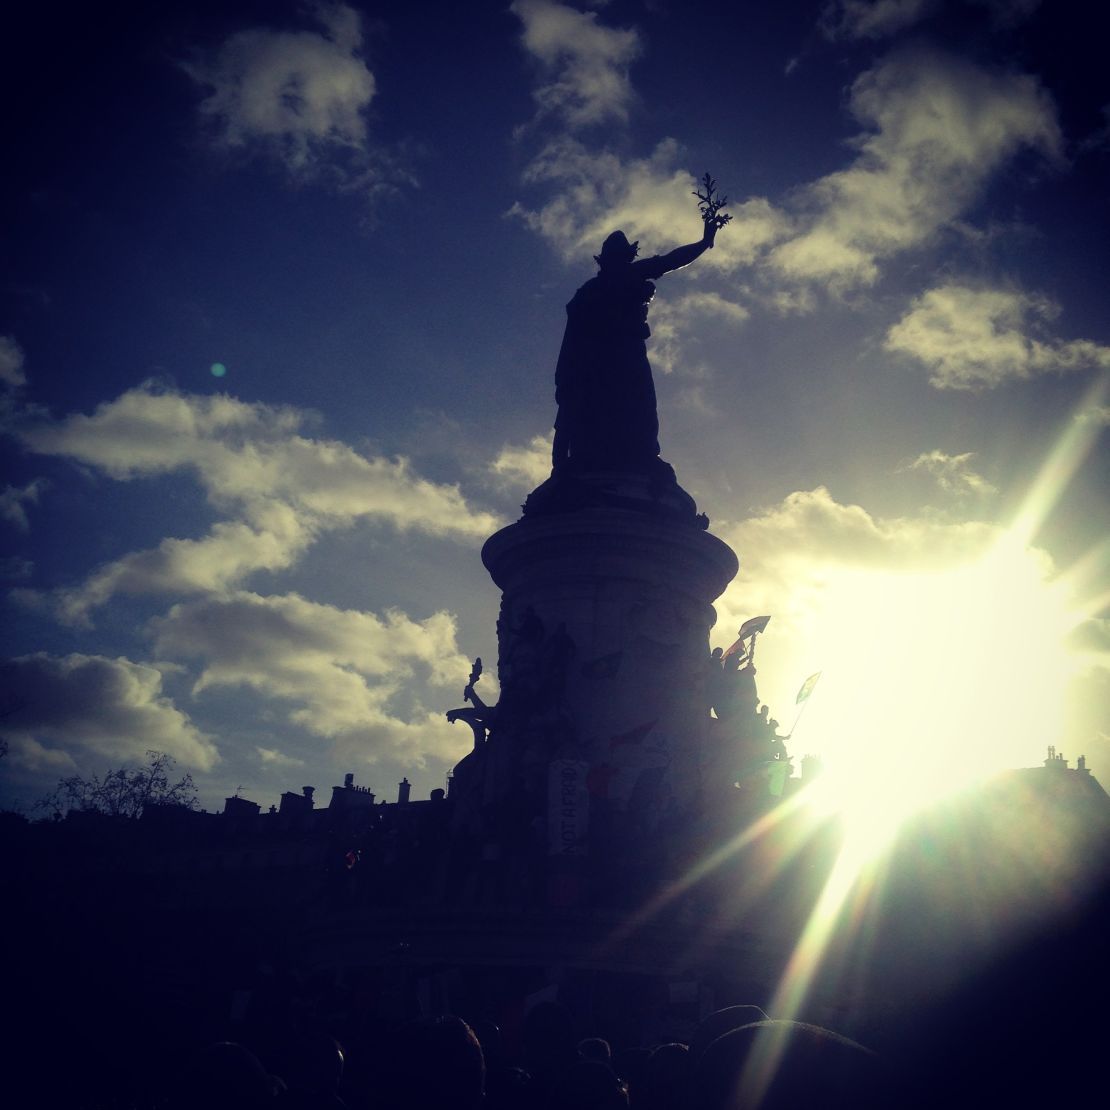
(349, 797)
(308, 791)
(240, 807)
(403, 788)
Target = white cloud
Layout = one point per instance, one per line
(793, 301)
(798, 557)
(597, 191)
(651, 199)
(710, 304)
(524, 467)
(227, 555)
(64, 710)
(299, 96)
(790, 546)
(585, 64)
(14, 568)
(11, 363)
(343, 670)
(920, 628)
(877, 19)
(1092, 638)
(979, 338)
(281, 489)
(872, 19)
(29, 755)
(937, 128)
(14, 498)
(271, 757)
(953, 473)
(1005, 13)
(674, 320)
(1098, 415)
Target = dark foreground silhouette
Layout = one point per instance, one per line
(119, 996)
(1024, 1033)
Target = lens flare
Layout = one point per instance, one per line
(940, 680)
(933, 681)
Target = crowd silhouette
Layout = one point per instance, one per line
(1001, 1042)
(442, 1063)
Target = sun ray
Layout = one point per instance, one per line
(1066, 457)
(702, 869)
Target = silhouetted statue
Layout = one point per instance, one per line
(731, 690)
(479, 716)
(603, 386)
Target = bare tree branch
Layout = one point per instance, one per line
(124, 792)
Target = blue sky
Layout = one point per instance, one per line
(887, 384)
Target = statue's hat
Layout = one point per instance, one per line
(617, 248)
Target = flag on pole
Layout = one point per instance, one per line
(807, 688)
(748, 628)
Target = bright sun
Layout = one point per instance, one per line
(935, 681)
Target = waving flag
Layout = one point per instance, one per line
(807, 688)
(748, 628)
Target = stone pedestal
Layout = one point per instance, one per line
(603, 646)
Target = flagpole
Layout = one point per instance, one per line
(802, 700)
(797, 718)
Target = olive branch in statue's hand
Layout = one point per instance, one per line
(710, 203)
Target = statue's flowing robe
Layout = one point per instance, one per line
(607, 417)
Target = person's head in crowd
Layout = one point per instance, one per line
(720, 1022)
(595, 1048)
(313, 1063)
(224, 1076)
(629, 1064)
(508, 1088)
(785, 1065)
(547, 1040)
(432, 1064)
(588, 1085)
(489, 1037)
(664, 1080)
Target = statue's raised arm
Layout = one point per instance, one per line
(679, 257)
(607, 418)
(710, 204)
